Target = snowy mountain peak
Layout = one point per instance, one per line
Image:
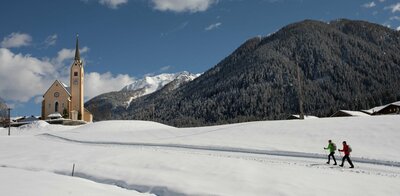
(108, 103)
(150, 84)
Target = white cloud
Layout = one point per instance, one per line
(369, 5)
(180, 27)
(23, 77)
(398, 28)
(165, 68)
(395, 18)
(183, 5)
(394, 8)
(213, 26)
(67, 54)
(113, 4)
(38, 99)
(96, 83)
(15, 40)
(50, 40)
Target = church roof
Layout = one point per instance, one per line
(65, 87)
(87, 111)
(77, 55)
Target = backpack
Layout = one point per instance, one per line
(350, 150)
(334, 146)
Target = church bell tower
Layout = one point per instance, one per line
(76, 84)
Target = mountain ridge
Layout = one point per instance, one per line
(343, 64)
(103, 106)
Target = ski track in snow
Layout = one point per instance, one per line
(227, 149)
(295, 159)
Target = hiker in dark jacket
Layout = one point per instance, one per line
(332, 148)
(346, 150)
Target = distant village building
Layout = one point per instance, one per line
(348, 113)
(297, 116)
(60, 99)
(392, 108)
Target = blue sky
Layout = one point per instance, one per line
(121, 40)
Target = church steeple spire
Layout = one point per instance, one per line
(77, 55)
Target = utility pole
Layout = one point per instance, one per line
(154, 107)
(301, 115)
(9, 121)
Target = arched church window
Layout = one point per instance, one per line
(56, 107)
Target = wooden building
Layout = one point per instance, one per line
(348, 113)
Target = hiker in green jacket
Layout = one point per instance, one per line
(332, 149)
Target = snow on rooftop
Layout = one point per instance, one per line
(375, 109)
(355, 113)
(65, 86)
(396, 103)
(55, 115)
(306, 117)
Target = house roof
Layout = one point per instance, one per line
(397, 103)
(374, 109)
(353, 113)
(305, 116)
(30, 119)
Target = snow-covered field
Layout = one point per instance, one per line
(256, 158)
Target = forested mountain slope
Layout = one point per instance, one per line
(343, 64)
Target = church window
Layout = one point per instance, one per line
(76, 73)
(56, 107)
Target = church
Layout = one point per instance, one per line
(67, 101)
